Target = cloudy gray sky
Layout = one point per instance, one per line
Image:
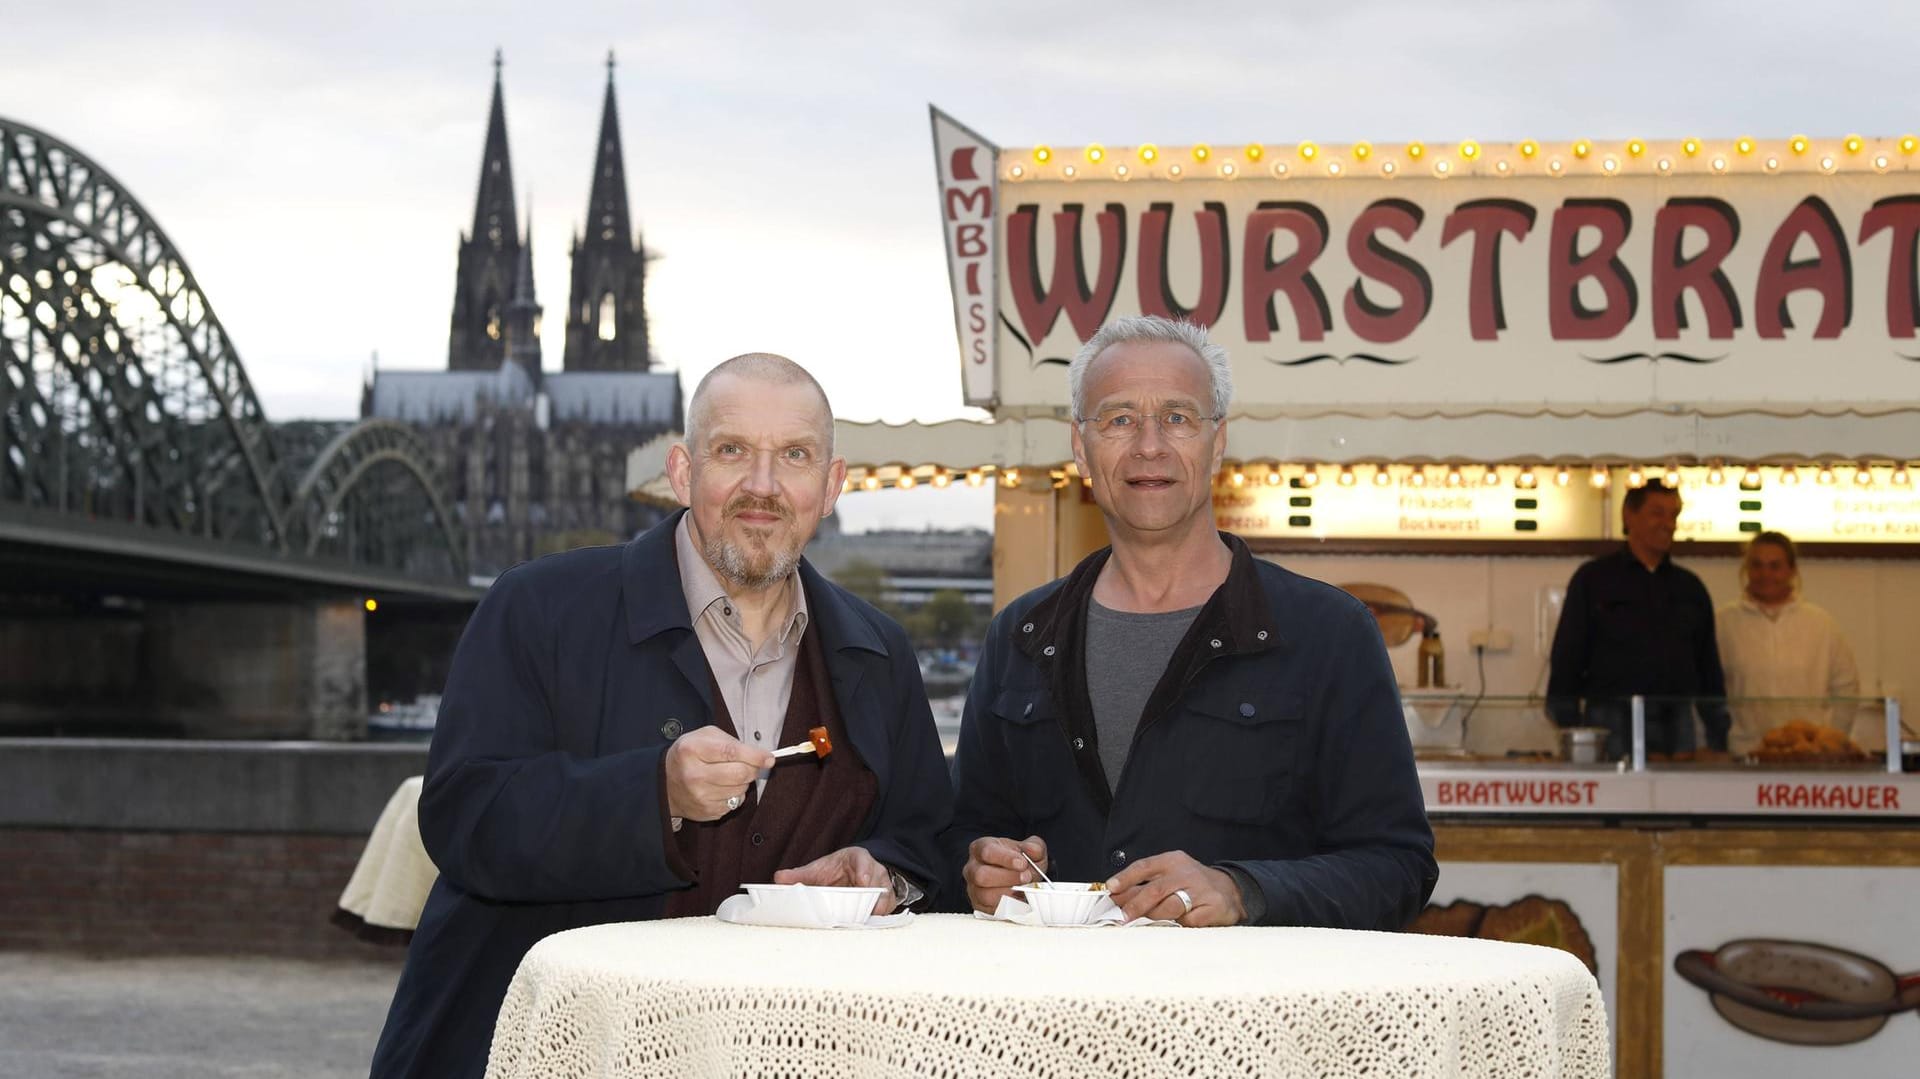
(316, 163)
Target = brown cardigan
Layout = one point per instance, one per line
(811, 807)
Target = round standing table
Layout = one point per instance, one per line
(956, 996)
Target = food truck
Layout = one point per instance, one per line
(1452, 360)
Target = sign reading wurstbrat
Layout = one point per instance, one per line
(1618, 275)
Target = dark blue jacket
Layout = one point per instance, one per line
(1275, 745)
(543, 804)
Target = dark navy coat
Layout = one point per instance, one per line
(543, 804)
(1275, 746)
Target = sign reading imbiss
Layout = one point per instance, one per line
(1607, 274)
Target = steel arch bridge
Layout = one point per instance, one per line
(123, 402)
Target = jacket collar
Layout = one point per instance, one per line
(655, 601)
(1238, 613)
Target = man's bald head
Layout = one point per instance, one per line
(764, 367)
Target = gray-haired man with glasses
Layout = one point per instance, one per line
(1219, 740)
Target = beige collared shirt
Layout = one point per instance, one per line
(1795, 654)
(755, 683)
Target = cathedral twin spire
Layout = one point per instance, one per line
(495, 315)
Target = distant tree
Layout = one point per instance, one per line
(949, 618)
(869, 582)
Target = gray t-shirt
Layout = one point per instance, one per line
(1126, 655)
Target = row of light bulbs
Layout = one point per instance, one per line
(1526, 477)
(1664, 158)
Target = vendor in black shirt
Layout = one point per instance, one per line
(1635, 623)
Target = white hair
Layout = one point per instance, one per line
(1122, 331)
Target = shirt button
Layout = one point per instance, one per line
(1047, 651)
(1028, 628)
(1117, 858)
(1216, 642)
(1262, 635)
(728, 610)
(1245, 710)
(671, 729)
(756, 734)
(1079, 743)
(758, 839)
(1028, 710)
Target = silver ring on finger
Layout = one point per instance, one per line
(1185, 899)
(733, 803)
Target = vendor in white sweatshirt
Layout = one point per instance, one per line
(1775, 644)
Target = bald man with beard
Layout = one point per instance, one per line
(603, 747)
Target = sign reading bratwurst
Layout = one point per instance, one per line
(1596, 274)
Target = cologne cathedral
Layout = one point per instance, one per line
(536, 461)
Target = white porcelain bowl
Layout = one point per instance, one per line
(1062, 902)
(818, 904)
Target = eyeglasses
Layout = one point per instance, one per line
(1121, 423)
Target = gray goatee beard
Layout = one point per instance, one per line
(736, 567)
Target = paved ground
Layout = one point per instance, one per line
(189, 1018)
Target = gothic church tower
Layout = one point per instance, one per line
(606, 309)
(489, 256)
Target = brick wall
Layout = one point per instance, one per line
(117, 892)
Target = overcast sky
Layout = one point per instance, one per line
(316, 163)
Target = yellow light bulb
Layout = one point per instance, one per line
(1043, 154)
(1854, 144)
(1239, 478)
(1716, 475)
(906, 481)
(1202, 152)
(1148, 153)
(1825, 475)
(1362, 151)
(1469, 150)
(1414, 150)
(974, 478)
(1311, 477)
(942, 479)
(1491, 477)
(1900, 477)
(1909, 144)
(1454, 479)
(1798, 144)
(1096, 153)
(1382, 477)
(1744, 145)
(1672, 477)
(372, 605)
(1635, 477)
(1562, 476)
(1690, 147)
(1346, 477)
(1790, 476)
(1582, 148)
(1528, 149)
(871, 483)
(1011, 477)
(1273, 476)
(1308, 150)
(1255, 152)
(1635, 148)
(1418, 477)
(1750, 478)
(1598, 477)
(1526, 480)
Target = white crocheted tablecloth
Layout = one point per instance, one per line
(953, 996)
